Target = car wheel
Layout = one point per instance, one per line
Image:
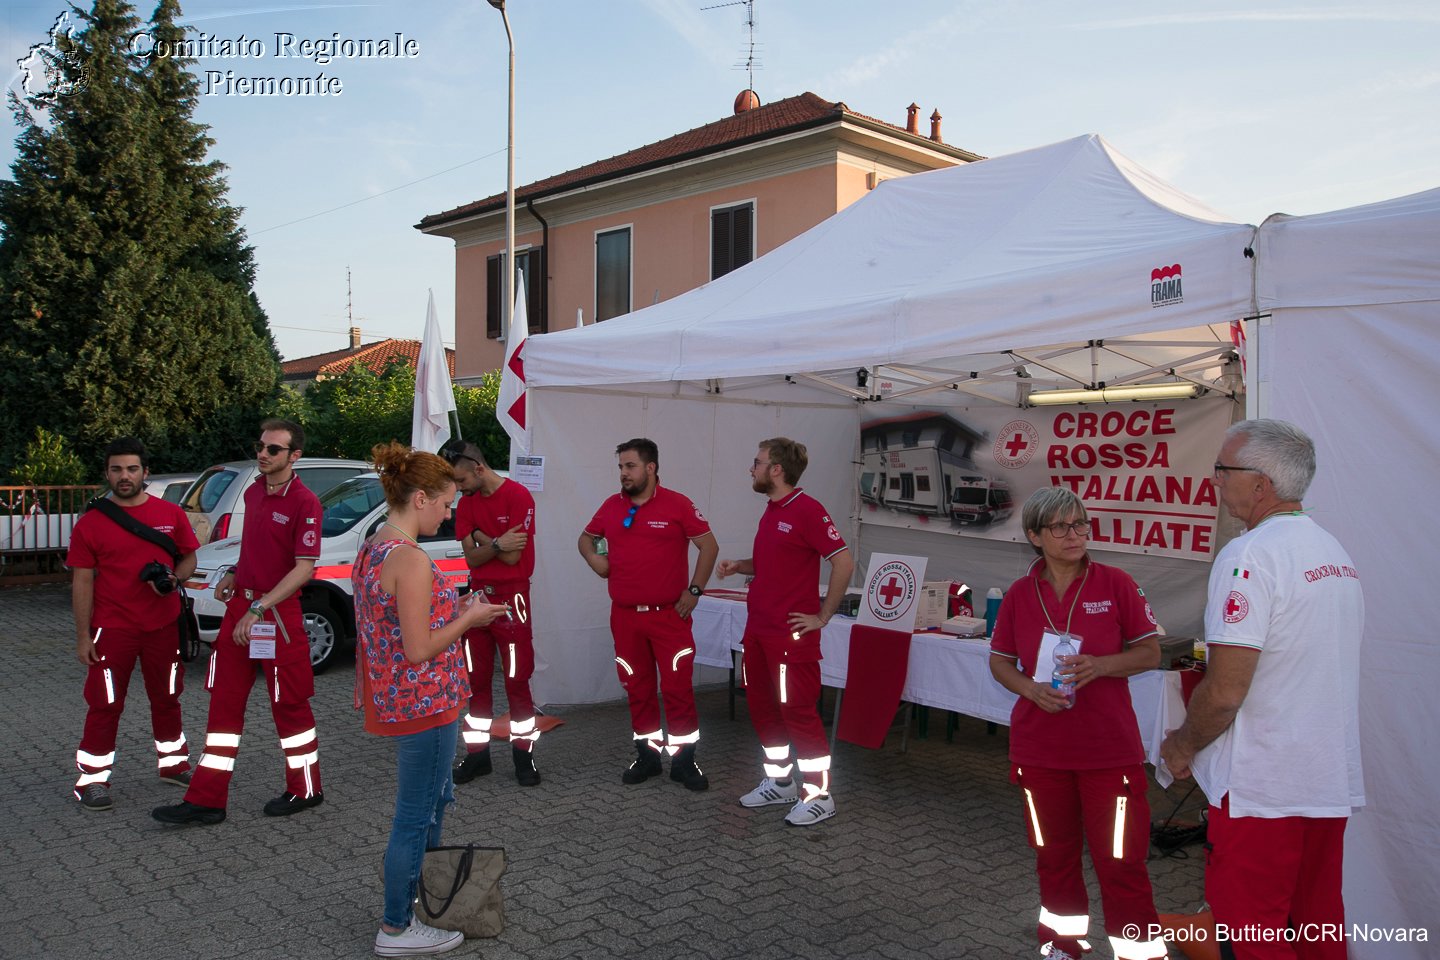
(325, 630)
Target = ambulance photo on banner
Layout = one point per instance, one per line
(1143, 470)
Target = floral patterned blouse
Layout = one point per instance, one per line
(394, 690)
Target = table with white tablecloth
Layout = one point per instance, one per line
(946, 672)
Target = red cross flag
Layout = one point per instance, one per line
(510, 405)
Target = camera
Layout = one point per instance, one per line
(161, 576)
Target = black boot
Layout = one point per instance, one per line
(525, 771)
(645, 765)
(474, 765)
(684, 769)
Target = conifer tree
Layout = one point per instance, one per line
(126, 303)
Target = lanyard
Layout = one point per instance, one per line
(1069, 616)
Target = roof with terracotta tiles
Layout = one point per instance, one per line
(377, 356)
(791, 115)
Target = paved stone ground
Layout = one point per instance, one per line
(926, 858)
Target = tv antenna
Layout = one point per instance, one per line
(751, 62)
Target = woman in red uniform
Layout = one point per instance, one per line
(1079, 766)
(411, 678)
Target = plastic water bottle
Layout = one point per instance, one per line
(1058, 683)
(992, 609)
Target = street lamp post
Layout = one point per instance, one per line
(508, 308)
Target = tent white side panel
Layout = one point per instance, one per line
(706, 448)
(1362, 381)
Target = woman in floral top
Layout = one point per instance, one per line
(411, 677)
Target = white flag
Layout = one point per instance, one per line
(510, 405)
(434, 394)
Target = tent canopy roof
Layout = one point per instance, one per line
(943, 273)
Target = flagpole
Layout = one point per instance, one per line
(508, 306)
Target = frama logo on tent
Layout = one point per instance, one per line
(1165, 286)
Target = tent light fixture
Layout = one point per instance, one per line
(1135, 391)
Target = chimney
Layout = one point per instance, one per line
(354, 338)
(912, 118)
(935, 126)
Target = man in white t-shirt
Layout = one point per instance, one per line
(1272, 733)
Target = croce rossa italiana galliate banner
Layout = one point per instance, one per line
(1143, 470)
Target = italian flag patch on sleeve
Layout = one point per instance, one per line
(1242, 573)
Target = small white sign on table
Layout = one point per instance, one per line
(892, 589)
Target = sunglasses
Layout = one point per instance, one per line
(271, 448)
(629, 517)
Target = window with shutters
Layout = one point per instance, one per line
(532, 268)
(732, 238)
(612, 273)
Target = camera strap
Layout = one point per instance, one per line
(130, 525)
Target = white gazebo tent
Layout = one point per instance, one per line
(968, 285)
(1349, 348)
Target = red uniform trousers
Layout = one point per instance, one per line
(650, 639)
(289, 685)
(1107, 809)
(515, 642)
(1271, 874)
(106, 684)
(782, 695)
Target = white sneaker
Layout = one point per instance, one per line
(769, 792)
(806, 812)
(418, 939)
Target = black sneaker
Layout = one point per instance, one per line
(287, 803)
(684, 769)
(474, 765)
(645, 765)
(186, 812)
(94, 797)
(525, 771)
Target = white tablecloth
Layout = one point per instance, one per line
(951, 673)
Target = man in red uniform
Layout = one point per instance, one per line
(785, 614)
(126, 610)
(648, 530)
(263, 631)
(495, 524)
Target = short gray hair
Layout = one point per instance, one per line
(1047, 505)
(1281, 451)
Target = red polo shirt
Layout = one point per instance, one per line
(509, 506)
(122, 601)
(795, 534)
(280, 528)
(1109, 614)
(649, 560)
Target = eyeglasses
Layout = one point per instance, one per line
(271, 448)
(1221, 468)
(1080, 528)
(454, 450)
(629, 517)
(762, 463)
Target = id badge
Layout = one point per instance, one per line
(262, 641)
(1045, 658)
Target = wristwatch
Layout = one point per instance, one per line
(696, 591)
(495, 545)
(257, 608)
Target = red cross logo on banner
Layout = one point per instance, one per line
(1015, 443)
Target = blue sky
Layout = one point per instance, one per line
(1254, 108)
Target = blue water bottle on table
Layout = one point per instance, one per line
(992, 609)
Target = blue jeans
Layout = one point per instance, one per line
(423, 791)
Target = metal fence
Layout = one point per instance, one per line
(35, 525)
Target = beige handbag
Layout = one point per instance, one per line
(460, 890)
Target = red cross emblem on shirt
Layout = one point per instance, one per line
(1236, 607)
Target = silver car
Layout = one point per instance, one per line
(353, 511)
(216, 503)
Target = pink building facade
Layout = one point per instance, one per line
(620, 234)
